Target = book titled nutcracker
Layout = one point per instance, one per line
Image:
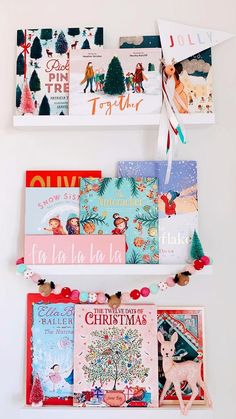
(188, 323)
(42, 67)
(50, 346)
(125, 206)
(115, 82)
(52, 211)
(115, 356)
(177, 204)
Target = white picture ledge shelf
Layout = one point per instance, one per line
(87, 121)
(76, 270)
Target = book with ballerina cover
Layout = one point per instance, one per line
(115, 356)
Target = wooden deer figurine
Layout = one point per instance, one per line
(175, 373)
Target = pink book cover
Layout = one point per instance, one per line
(115, 356)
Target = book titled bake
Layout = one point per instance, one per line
(188, 323)
(52, 211)
(50, 347)
(177, 204)
(58, 178)
(115, 82)
(42, 67)
(115, 356)
(126, 206)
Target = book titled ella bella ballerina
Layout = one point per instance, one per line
(74, 249)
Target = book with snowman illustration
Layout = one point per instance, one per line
(177, 204)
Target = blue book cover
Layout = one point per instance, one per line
(51, 211)
(177, 204)
(123, 206)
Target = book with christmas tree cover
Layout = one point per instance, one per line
(177, 204)
(50, 348)
(115, 82)
(115, 356)
(126, 206)
(42, 67)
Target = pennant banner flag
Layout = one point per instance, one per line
(180, 41)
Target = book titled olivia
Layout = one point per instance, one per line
(94, 249)
(57, 178)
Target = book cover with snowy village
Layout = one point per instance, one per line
(177, 204)
(115, 356)
(50, 347)
(125, 206)
(115, 82)
(42, 67)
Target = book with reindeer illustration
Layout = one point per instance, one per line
(115, 356)
(42, 67)
(126, 206)
(177, 204)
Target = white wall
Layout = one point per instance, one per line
(213, 147)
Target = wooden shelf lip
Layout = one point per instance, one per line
(102, 121)
(75, 270)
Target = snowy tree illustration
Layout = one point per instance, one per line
(44, 108)
(36, 49)
(61, 45)
(115, 356)
(98, 38)
(34, 82)
(18, 96)
(85, 45)
(20, 65)
(151, 67)
(73, 31)
(115, 81)
(46, 34)
(20, 37)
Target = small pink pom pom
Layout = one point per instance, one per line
(170, 282)
(74, 295)
(190, 268)
(101, 298)
(125, 298)
(145, 291)
(35, 278)
(57, 289)
(205, 260)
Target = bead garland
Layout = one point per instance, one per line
(91, 297)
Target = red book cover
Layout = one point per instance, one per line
(50, 346)
(58, 178)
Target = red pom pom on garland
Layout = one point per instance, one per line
(198, 264)
(66, 292)
(135, 294)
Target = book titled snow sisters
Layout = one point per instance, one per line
(123, 206)
(115, 356)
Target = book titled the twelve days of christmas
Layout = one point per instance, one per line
(177, 204)
(42, 67)
(115, 82)
(125, 206)
(115, 356)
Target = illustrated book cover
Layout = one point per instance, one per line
(188, 322)
(52, 211)
(177, 204)
(115, 356)
(125, 206)
(115, 82)
(42, 67)
(50, 347)
(58, 178)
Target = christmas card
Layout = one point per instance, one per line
(50, 346)
(115, 356)
(177, 204)
(115, 82)
(50, 211)
(188, 323)
(42, 67)
(125, 206)
(58, 178)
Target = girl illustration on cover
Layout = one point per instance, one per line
(72, 225)
(139, 77)
(170, 205)
(55, 376)
(121, 225)
(55, 226)
(88, 77)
